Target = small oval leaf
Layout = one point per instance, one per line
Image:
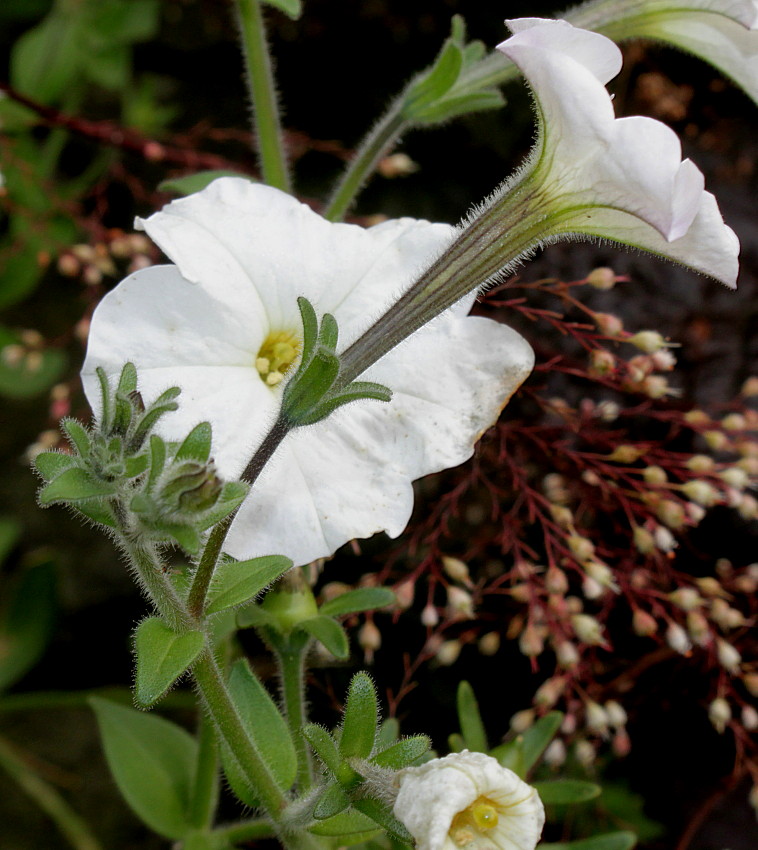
(237, 582)
(163, 655)
(354, 601)
(566, 792)
(328, 632)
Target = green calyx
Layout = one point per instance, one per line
(315, 390)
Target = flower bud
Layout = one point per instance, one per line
(531, 642)
(448, 653)
(615, 713)
(522, 720)
(587, 629)
(581, 547)
(698, 628)
(663, 360)
(404, 594)
(608, 324)
(555, 754)
(595, 718)
(750, 681)
(556, 581)
(671, 513)
(719, 713)
(644, 624)
(626, 453)
(191, 487)
(654, 475)
(686, 598)
(749, 718)
(602, 574)
(677, 639)
(602, 363)
(460, 605)
(549, 692)
(429, 616)
(621, 743)
(584, 753)
(648, 341)
(562, 515)
(456, 569)
(369, 638)
(701, 492)
(592, 589)
(566, 654)
(735, 477)
(716, 440)
(729, 657)
(700, 463)
(602, 278)
(489, 644)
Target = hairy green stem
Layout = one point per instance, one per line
(74, 829)
(245, 831)
(260, 83)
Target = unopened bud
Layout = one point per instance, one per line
(686, 598)
(581, 547)
(566, 654)
(602, 362)
(729, 657)
(549, 692)
(663, 360)
(448, 653)
(489, 644)
(750, 681)
(429, 616)
(644, 624)
(735, 477)
(602, 278)
(531, 643)
(555, 754)
(626, 453)
(592, 589)
(698, 628)
(404, 594)
(656, 386)
(602, 574)
(701, 492)
(584, 753)
(369, 638)
(750, 387)
(608, 324)
(596, 720)
(643, 540)
(655, 475)
(648, 341)
(556, 581)
(671, 513)
(522, 720)
(396, 165)
(615, 713)
(562, 515)
(677, 639)
(716, 440)
(460, 605)
(456, 569)
(749, 718)
(621, 743)
(719, 713)
(587, 629)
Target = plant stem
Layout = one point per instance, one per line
(245, 831)
(290, 654)
(205, 786)
(75, 830)
(261, 88)
(201, 580)
(378, 142)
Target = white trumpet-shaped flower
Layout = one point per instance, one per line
(223, 324)
(596, 175)
(721, 32)
(468, 800)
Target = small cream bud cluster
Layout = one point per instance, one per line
(27, 354)
(93, 262)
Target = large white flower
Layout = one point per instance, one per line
(621, 179)
(467, 800)
(223, 324)
(721, 32)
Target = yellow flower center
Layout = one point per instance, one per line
(474, 821)
(279, 351)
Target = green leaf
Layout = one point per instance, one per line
(454, 106)
(361, 718)
(191, 183)
(329, 633)
(403, 753)
(157, 460)
(28, 621)
(608, 841)
(45, 60)
(197, 444)
(472, 728)
(51, 464)
(10, 531)
(163, 655)
(268, 729)
(354, 601)
(73, 485)
(388, 734)
(98, 511)
(332, 801)
(352, 823)
(323, 745)
(292, 8)
(381, 814)
(537, 738)
(153, 762)
(185, 535)
(237, 582)
(566, 792)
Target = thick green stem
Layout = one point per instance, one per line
(377, 143)
(74, 829)
(222, 709)
(262, 90)
(205, 785)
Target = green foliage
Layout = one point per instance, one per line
(266, 727)
(153, 763)
(355, 601)
(329, 633)
(191, 183)
(237, 582)
(163, 655)
(359, 725)
(29, 375)
(522, 754)
(566, 792)
(28, 615)
(609, 841)
(472, 728)
(292, 8)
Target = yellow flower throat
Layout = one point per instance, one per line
(474, 821)
(279, 351)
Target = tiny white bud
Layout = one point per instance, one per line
(719, 713)
(729, 657)
(677, 639)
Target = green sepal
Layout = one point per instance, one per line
(463, 104)
(353, 392)
(158, 453)
(329, 633)
(188, 184)
(388, 734)
(622, 840)
(232, 495)
(310, 331)
(472, 728)
(436, 82)
(351, 823)
(305, 391)
(361, 718)
(187, 537)
(163, 655)
(291, 8)
(566, 792)
(127, 380)
(98, 511)
(153, 762)
(135, 466)
(105, 400)
(237, 582)
(266, 727)
(51, 464)
(355, 601)
(74, 485)
(381, 814)
(403, 753)
(27, 621)
(331, 802)
(197, 444)
(163, 404)
(77, 435)
(324, 745)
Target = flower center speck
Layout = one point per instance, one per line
(474, 822)
(275, 357)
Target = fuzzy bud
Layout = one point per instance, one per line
(671, 513)
(522, 720)
(581, 547)
(595, 718)
(555, 754)
(489, 644)
(729, 657)
(556, 581)
(719, 713)
(749, 718)
(602, 362)
(430, 616)
(698, 628)
(602, 278)
(584, 753)
(448, 652)
(566, 654)
(654, 475)
(648, 341)
(701, 492)
(369, 638)
(735, 477)
(716, 440)
(626, 453)
(587, 629)
(608, 324)
(644, 624)
(686, 598)
(460, 605)
(531, 642)
(616, 713)
(677, 639)
(456, 569)
(404, 594)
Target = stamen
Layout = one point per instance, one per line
(279, 351)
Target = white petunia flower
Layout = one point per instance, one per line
(223, 324)
(467, 800)
(594, 175)
(721, 32)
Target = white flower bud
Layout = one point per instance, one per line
(460, 605)
(555, 754)
(456, 569)
(489, 644)
(729, 657)
(719, 713)
(616, 713)
(522, 720)
(595, 718)
(587, 629)
(584, 753)
(448, 653)
(677, 639)
(749, 718)
(429, 616)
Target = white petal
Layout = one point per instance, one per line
(354, 470)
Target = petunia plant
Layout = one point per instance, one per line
(273, 392)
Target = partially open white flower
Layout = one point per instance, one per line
(621, 179)
(467, 800)
(721, 32)
(223, 324)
